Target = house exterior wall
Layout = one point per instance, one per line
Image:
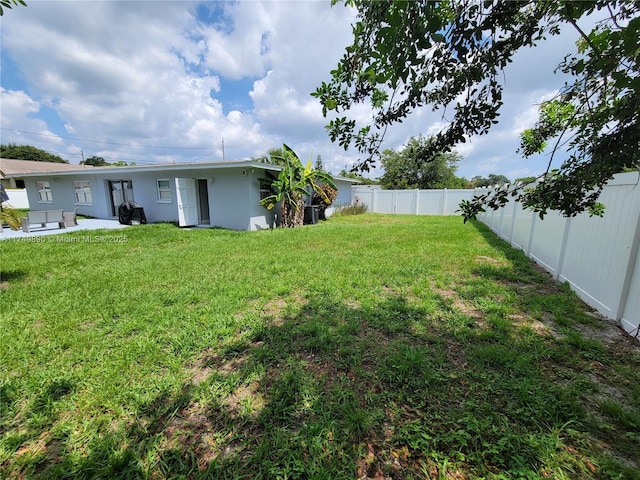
(61, 193)
(344, 192)
(259, 217)
(233, 193)
(235, 198)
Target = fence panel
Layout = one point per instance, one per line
(363, 196)
(405, 201)
(598, 249)
(416, 202)
(630, 319)
(523, 222)
(383, 200)
(430, 202)
(546, 240)
(17, 198)
(452, 199)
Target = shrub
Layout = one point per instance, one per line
(356, 208)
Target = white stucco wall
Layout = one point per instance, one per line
(344, 192)
(234, 195)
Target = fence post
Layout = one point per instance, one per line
(628, 276)
(563, 249)
(417, 200)
(513, 222)
(500, 234)
(444, 201)
(531, 232)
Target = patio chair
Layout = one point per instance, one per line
(70, 219)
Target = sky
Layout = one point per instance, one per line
(179, 81)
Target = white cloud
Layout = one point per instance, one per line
(527, 118)
(244, 51)
(18, 116)
(161, 73)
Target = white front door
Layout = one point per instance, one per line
(187, 202)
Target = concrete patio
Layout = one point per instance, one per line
(85, 224)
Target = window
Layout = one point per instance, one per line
(265, 190)
(164, 190)
(82, 191)
(44, 192)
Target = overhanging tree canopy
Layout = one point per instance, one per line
(451, 54)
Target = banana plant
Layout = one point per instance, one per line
(290, 187)
(11, 217)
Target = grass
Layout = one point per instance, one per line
(368, 346)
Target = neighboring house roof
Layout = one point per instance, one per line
(64, 169)
(11, 168)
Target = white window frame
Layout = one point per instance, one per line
(44, 192)
(163, 193)
(82, 192)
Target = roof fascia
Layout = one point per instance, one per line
(150, 168)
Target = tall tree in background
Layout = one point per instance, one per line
(274, 156)
(96, 162)
(415, 167)
(27, 152)
(489, 181)
(101, 162)
(344, 173)
(452, 54)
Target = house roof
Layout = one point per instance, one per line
(12, 168)
(64, 169)
(166, 167)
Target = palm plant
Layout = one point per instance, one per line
(291, 186)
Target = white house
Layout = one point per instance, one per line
(220, 194)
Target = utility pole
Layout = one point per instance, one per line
(82, 153)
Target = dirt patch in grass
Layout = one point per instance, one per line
(277, 308)
(490, 260)
(245, 401)
(191, 431)
(461, 306)
(609, 332)
(201, 370)
(320, 368)
(211, 361)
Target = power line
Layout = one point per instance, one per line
(103, 142)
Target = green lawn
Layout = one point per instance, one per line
(366, 346)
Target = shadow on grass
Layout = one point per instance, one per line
(321, 389)
(11, 275)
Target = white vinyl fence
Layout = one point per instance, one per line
(597, 256)
(415, 202)
(17, 198)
